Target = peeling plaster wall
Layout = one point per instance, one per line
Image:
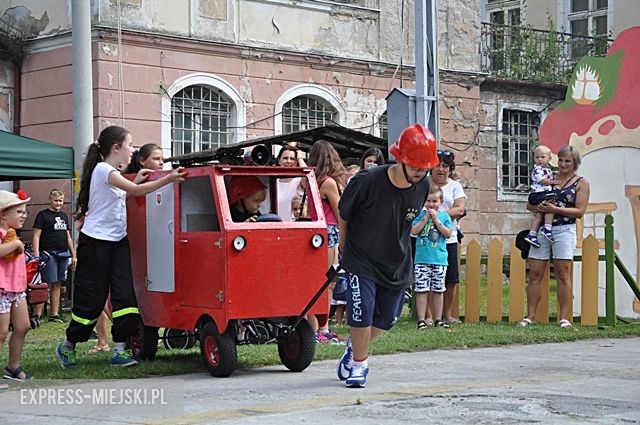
(494, 217)
(459, 35)
(37, 18)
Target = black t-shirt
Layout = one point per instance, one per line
(238, 216)
(379, 215)
(54, 226)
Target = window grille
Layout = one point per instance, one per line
(383, 126)
(304, 113)
(519, 138)
(200, 119)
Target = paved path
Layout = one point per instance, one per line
(595, 382)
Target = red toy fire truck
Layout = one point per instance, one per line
(229, 283)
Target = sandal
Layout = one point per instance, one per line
(14, 374)
(424, 324)
(442, 324)
(565, 324)
(98, 349)
(525, 322)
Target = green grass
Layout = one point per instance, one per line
(38, 358)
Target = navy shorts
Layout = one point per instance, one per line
(452, 277)
(369, 304)
(536, 198)
(56, 269)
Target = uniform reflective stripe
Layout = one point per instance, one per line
(128, 310)
(82, 321)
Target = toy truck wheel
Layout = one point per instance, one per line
(144, 344)
(178, 338)
(297, 351)
(218, 351)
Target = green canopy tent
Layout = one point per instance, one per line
(22, 158)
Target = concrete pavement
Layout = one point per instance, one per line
(595, 381)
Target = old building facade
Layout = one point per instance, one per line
(196, 74)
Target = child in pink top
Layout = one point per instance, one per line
(13, 281)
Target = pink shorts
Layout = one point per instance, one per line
(8, 298)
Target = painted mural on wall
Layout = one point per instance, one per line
(601, 118)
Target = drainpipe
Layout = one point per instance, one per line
(82, 84)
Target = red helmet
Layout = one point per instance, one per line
(243, 186)
(416, 147)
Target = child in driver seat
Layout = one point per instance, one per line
(246, 195)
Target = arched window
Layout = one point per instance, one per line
(306, 112)
(308, 106)
(201, 111)
(200, 118)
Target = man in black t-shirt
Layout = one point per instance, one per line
(51, 234)
(376, 212)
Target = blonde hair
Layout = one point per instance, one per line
(571, 151)
(55, 193)
(543, 149)
(436, 190)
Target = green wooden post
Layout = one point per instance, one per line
(610, 290)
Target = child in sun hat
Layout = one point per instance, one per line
(13, 281)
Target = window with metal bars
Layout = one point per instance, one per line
(519, 138)
(306, 112)
(383, 126)
(200, 117)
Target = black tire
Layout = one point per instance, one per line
(218, 351)
(297, 351)
(144, 344)
(178, 338)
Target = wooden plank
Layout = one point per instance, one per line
(517, 276)
(589, 300)
(494, 281)
(472, 286)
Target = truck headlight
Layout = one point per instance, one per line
(239, 243)
(317, 241)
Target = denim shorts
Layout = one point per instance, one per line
(333, 233)
(7, 298)
(430, 277)
(369, 304)
(562, 247)
(56, 269)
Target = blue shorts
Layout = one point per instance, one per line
(56, 269)
(369, 304)
(562, 247)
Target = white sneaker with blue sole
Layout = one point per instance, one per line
(358, 376)
(346, 362)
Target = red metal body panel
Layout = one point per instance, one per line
(276, 274)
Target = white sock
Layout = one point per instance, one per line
(362, 364)
(118, 347)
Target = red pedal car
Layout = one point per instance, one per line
(228, 283)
